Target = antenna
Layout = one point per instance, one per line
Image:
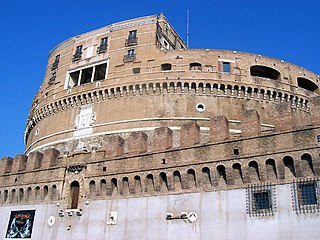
(187, 28)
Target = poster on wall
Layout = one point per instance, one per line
(20, 224)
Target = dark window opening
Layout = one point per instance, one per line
(104, 169)
(100, 72)
(163, 161)
(55, 63)
(78, 53)
(262, 200)
(132, 38)
(264, 72)
(86, 75)
(75, 190)
(226, 68)
(74, 77)
(307, 194)
(136, 70)
(307, 84)
(103, 45)
(130, 56)
(195, 66)
(166, 67)
(236, 151)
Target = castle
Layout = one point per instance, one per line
(134, 136)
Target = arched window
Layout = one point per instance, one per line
(192, 178)
(74, 194)
(271, 169)
(289, 167)
(221, 173)
(254, 170)
(307, 84)
(163, 181)
(264, 72)
(237, 172)
(195, 66)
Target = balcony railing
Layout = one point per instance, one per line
(76, 57)
(102, 48)
(54, 65)
(131, 42)
(129, 58)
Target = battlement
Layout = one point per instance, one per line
(171, 161)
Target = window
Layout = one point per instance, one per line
(130, 56)
(226, 67)
(264, 72)
(166, 67)
(195, 66)
(78, 53)
(307, 84)
(307, 193)
(87, 75)
(132, 38)
(103, 45)
(261, 200)
(306, 196)
(136, 70)
(75, 190)
(55, 63)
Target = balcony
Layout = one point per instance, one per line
(102, 48)
(76, 57)
(54, 65)
(131, 42)
(129, 58)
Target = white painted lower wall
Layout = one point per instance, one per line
(221, 215)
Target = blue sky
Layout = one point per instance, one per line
(288, 30)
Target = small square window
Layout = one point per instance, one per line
(136, 70)
(226, 67)
(318, 138)
(261, 200)
(306, 196)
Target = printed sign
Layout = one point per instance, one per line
(20, 224)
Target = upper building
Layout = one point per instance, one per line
(132, 135)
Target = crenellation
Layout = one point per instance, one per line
(8, 163)
(219, 129)
(114, 146)
(189, 134)
(137, 143)
(250, 123)
(34, 161)
(163, 139)
(50, 157)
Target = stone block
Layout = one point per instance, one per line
(19, 163)
(219, 129)
(50, 157)
(163, 139)
(189, 134)
(34, 160)
(114, 146)
(137, 143)
(250, 123)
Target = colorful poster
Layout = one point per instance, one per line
(20, 224)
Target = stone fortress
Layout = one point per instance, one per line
(134, 136)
